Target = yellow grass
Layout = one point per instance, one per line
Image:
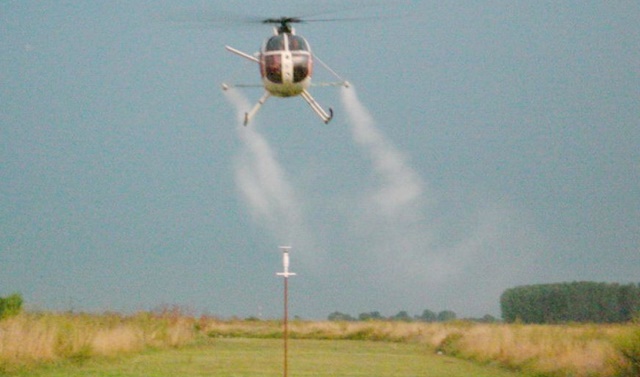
(35, 338)
(585, 350)
(561, 350)
(543, 350)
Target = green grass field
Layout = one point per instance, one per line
(239, 357)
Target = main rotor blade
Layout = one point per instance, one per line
(283, 20)
(340, 19)
(311, 17)
(199, 16)
(224, 18)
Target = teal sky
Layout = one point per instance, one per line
(512, 127)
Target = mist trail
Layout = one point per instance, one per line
(263, 183)
(400, 189)
(410, 238)
(395, 229)
(393, 213)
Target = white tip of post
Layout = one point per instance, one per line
(285, 262)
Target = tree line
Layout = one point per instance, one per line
(571, 302)
(403, 316)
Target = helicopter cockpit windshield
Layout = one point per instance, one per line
(276, 55)
(293, 42)
(297, 43)
(275, 43)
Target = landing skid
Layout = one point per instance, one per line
(326, 118)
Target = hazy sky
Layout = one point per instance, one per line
(483, 145)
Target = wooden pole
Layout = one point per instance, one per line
(285, 334)
(286, 325)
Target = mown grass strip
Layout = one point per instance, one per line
(236, 357)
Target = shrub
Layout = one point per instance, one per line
(10, 306)
(629, 347)
(450, 344)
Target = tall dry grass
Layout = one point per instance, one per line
(574, 350)
(29, 339)
(543, 350)
(558, 351)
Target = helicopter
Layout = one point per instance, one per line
(286, 67)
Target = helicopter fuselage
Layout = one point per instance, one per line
(286, 67)
(286, 64)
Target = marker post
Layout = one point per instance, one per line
(285, 275)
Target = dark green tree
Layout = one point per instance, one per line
(340, 317)
(488, 318)
(371, 316)
(10, 305)
(427, 316)
(446, 315)
(402, 316)
(571, 302)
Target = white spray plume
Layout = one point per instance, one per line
(264, 184)
(393, 214)
(390, 225)
(406, 242)
(400, 189)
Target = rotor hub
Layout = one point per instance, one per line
(284, 23)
